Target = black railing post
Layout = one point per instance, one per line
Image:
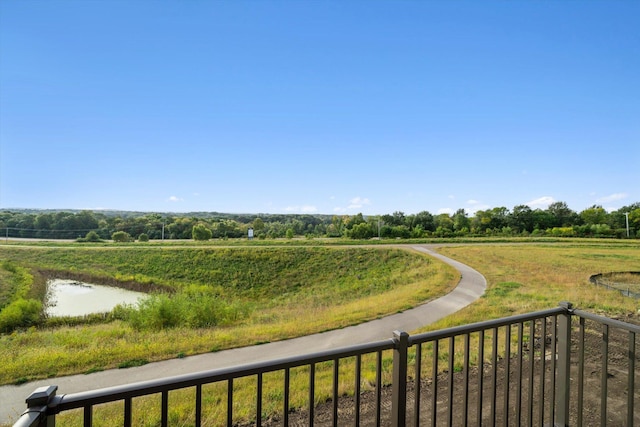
(38, 401)
(399, 397)
(564, 365)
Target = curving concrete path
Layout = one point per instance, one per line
(471, 286)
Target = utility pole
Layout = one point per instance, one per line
(626, 214)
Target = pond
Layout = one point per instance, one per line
(73, 298)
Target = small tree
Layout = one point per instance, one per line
(121, 237)
(201, 232)
(143, 237)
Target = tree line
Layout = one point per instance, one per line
(557, 220)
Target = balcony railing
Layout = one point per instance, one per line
(529, 369)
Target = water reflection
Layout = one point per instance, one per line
(71, 298)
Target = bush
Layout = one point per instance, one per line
(195, 308)
(143, 237)
(121, 237)
(91, 236)
(20, 313)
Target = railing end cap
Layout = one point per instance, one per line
(41, 396)
(566, 304)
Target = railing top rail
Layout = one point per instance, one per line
(28, 419)
(94, 397)
(489, 324)
(607, 321)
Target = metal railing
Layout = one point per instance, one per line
(517, 370)
(623, 288)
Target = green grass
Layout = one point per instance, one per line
(268, 294)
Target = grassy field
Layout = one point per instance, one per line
(267, 291)
(521, 277)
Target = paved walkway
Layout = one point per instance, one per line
(471, 286)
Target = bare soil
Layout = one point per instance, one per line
(503, 410)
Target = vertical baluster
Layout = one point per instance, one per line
(88, 416)
(507, 373)
(336, 366)
(198, 420)
(519, 374)
(631, 389)
(552, 388)
(259, 400)
(357, 392)
(379, 389)
(580, 371)
(312, 392)
(417, 387)
(605, 374)
(465, 385)
(434, 384)
(451, 367)
(287, 382)
(480, 375)
(494, 374)
(532, 356)
(127, 412)
(230, 403)
(164, 421)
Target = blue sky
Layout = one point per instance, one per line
(329, 107)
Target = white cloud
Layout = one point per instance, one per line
(475, 206)
(612, 198)
(174, 199)
(358, 202)
(541, 202)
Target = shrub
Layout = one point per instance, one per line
(121, 237)
(195, 308)
(20, 313)
(143, 237)
(91, 236)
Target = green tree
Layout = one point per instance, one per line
(522, 218)
(563, 216)
(594, 215)
(460, 221)
(200, 232)
(425, 220)
(363, 230)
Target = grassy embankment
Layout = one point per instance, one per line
(264, 294)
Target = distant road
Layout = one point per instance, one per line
(471, 286)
